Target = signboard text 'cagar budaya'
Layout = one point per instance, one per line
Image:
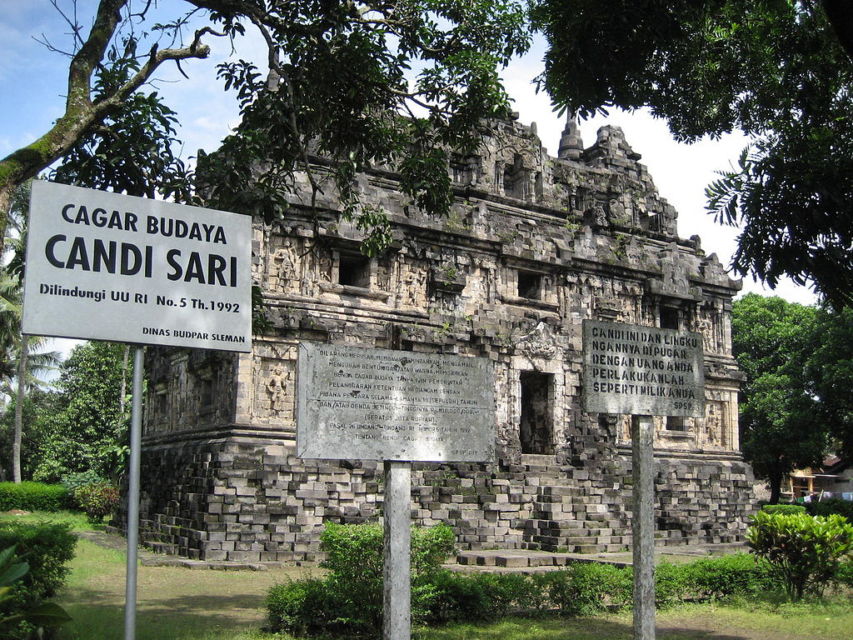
(154, 225)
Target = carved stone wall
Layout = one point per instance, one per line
(533, 246)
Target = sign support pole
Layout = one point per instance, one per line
(397, 620)
(133, 496)
(643, 526)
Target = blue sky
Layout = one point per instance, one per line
(32, 86)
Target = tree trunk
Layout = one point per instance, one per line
(123, 392)
(775, 479)
(19, 409)
(5, 204)
(840, 14)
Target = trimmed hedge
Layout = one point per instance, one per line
(831, 506)
(439, 596)
(786, 509)
(33, 496)
(740, 574)
(450, 596)
(584, 589)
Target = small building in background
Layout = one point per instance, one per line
(833, 479)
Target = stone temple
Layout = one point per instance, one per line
(534, 245)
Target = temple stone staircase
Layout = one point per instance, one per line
(564, 519)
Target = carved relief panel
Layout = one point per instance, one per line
(708, 322)
(274, 385)
(283, 274)
(412, 284)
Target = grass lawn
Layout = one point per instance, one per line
(172, 602)
(687, 622)
(184, 604)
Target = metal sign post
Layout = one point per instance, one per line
(133, 496)
(643, 526)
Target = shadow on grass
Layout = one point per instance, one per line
(97, 614)
(223, 617)
(218, 618)
(682, 633)
(562, 629)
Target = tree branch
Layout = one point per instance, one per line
(89, 56)
(80, 112)
(840, 14)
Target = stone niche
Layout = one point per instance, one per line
(532, 247)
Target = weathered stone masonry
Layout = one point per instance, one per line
(533, 246)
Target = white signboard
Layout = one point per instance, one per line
(377, 404)
(637, 370)
(113, 267)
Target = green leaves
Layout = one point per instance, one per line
(23, 587)
(773, 69)
(10, 571)
(135, 149)
(804, 552)
(780, 416)
(85, 425)
(389, 84)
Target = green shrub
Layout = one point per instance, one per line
(47, 548)
(481, 596)
(674, 583)
(431, 546)
(350, 598)
(22, 619)
(97, 500)
(354, 560)
(786, 509)
(32, 496)
(300, 606)
(803, 552)
(844, 573)
(455, 596)
(517, 592)
(77, 479)
(740, 574)
(534, 599)
(831, 506)
(586, 588)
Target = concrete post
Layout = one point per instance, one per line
(397, 620)
(643, 526)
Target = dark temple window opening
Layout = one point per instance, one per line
(537, 423)
(669, 318)
(354, 270)
(529, 285)
(674, 423)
